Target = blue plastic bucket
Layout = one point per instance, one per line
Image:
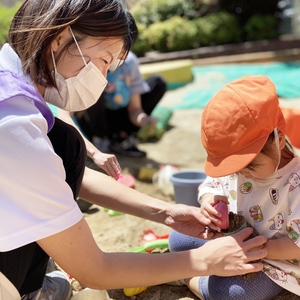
(186, 185)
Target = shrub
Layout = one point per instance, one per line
(172, 35)
(217, 29)
(195, 23)
(6, 15)
(182, 34)
(142, 44)
(152, 11)
(157, 36)
(260, 27)
(179, 33)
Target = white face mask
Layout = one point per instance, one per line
(78, 92)
(277, 148)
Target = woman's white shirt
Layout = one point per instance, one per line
(36, 202)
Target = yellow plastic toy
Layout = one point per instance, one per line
(133, 291)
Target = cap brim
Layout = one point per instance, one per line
(223, 166)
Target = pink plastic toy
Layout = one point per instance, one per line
(223, 209)
(127, 180)
(150, 235)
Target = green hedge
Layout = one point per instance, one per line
(6, 15)
(174, 25)
(261, 27)
(179, 33)
(148, 12)
(217, 29)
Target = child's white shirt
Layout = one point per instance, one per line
(272, 207)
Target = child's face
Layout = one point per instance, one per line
(261, 167)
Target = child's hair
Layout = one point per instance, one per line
(37, 23)
(267, 148)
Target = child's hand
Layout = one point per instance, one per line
(148, 128)
(208, 201)
(146, 120)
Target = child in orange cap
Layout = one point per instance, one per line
(251, 167)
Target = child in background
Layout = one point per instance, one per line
(251, 167)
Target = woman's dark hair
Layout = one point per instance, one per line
(38, 22)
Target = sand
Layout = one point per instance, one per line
(180, 146)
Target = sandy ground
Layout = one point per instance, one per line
(180, 146)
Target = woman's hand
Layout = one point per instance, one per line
(187, 220)
(109, 163)
(233, 255)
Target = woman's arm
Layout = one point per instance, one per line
(75, 250)
(102, 190)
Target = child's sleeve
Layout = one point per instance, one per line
(212, 186)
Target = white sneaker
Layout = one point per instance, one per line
(56, 286)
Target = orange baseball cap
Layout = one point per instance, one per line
(292, 120)
(236, 124)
